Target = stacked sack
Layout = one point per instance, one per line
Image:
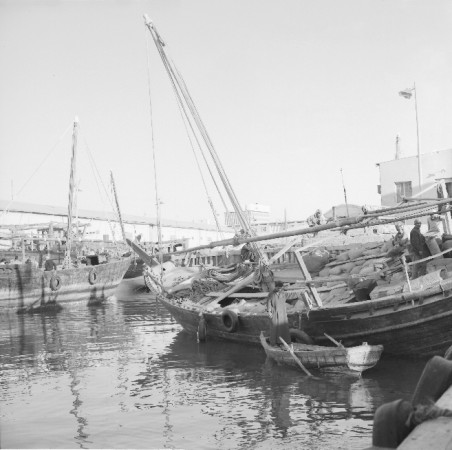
(358, 263)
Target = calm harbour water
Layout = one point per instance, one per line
(124, 375)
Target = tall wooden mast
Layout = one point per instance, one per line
(121, 223)
(67, 256)
(187, 104)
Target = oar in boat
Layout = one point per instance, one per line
(294, 356)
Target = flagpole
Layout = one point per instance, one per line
(419, 167)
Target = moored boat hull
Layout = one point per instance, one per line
(23, 286)
(415, 327)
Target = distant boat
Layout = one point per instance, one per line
(354, 359)
(135, 269)
(25, 287)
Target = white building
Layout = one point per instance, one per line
(254, 212)
(400, 177)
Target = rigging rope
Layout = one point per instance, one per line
(199, 166)
(5, 211)
(189, 102)
(177, 80)
(96, 175)
(97, 178)
(181, 106)
(185, 120)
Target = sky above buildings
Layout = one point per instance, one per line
(290, 93)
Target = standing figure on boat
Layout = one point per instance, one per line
(49, 264)
(316, 219)
(419, 250)
(399, 241)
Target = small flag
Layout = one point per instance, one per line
(406, 93)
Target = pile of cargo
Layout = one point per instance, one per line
(369, 271)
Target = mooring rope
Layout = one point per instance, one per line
(422, 413)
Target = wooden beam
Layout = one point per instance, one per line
(285, 249)
(307, 275)
(240, 295)
(341, 224)
(247, 280)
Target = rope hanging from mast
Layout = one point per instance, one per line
(181, 108)
(98, 179)
(171, 70)
(6, 210)
(185, 119)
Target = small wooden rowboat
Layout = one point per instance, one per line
(351, 359)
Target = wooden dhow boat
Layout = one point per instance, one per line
(412, 323)
(231, 302)
(325, 358)
(24, 287)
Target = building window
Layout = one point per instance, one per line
(379, 188)
(403, 189)
(439, 189)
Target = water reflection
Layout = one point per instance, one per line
(124, 375)
(239, 385)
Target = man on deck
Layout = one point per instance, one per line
(419, 250)
(49, 264)
(316, 219)
(400, 241)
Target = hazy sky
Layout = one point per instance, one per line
(290, 92)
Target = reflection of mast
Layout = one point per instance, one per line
(82, 421)
(167, 428)
(57, 345)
